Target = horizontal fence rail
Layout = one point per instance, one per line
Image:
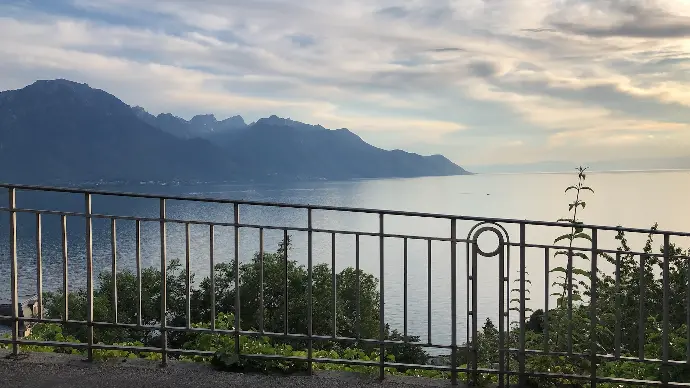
(579, 309)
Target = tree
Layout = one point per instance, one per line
(274, 267)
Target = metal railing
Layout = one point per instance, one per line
(513, 351)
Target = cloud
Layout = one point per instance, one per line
(303, 40)
(447, 49)
(538, 30)
(636, 19)
(394, 12)
(483, 69)
(477, 80)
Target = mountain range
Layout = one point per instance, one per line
(64, 131)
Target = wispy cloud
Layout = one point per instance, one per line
(634, 19)
(480, 81)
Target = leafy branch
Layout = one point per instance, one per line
(565, 278)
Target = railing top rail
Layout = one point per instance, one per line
(334, 208)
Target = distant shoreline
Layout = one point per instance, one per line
(589, 171)
(140, 184)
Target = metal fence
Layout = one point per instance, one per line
(511, 361)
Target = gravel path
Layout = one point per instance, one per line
(50, 370)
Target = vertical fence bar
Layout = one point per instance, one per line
(569, 282)
(188, 275)
(137, 232)
(468, 308)
(687, 310)
(39, 266)
(665, 313)
(474, 306)
(164, 286)
(547, 296)
(310, 327)
(642, 318)
(357, 287)
(212, 278)
(523, 262)
(287, 282)
(113, 251)
(405, 288)
(382, 319)
(428, 304)
(453, 302)
(617, 287)
(334, 286)
(65, 268)
(508, 293)
(593, 319)
(261, 280)
(238, 306)
(13, 263)
(501, 322)
(89, 276)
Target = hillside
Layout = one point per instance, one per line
(62, 131)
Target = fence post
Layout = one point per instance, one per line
(453, 303)
(13, 258)
(89, 276)
(521, 354)
(310, 280)
(164, 287)
(237, 277)
(39, 266)
(382, 319)
(666, 310)
(593, 313)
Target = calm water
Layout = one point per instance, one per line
(630, 199)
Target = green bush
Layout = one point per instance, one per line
(611, 303)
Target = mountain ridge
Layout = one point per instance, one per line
(63, 131)
(66, 131)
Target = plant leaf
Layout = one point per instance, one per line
(582, 235)
(578, 271)
(563, 237)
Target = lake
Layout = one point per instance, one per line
(631, 199)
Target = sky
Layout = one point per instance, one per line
(480, 81)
